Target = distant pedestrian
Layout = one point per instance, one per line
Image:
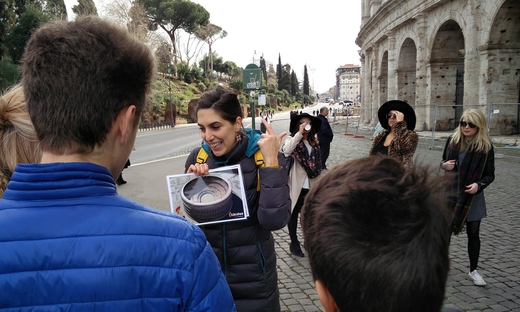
(325, 136)
(262, 125)
(305, 150)
(469, 154)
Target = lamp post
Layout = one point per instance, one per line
(170, 89)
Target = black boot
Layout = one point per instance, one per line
(120, 180)
(296, 249)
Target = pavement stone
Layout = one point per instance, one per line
(499, 257)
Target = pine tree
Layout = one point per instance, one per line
(263, 67)
(305, 81)
(85, 7)
(279, 69)
(57, 9)
(294, 83)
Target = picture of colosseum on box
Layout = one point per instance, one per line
(213, 198)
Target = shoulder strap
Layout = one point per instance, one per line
(259, 158)
(259, 161)
(202, 156)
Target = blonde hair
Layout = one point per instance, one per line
(18, 140)
(481, 142)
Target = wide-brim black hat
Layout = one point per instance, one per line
(315, 121)
(405, 108)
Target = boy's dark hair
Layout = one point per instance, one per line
(225, 102)
(378, 236)
(78, 76)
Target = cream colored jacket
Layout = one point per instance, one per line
(297, 174)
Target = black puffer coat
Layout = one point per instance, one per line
(245, 249)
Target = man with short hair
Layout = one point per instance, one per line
(325, 136)
(68, 241)
(377, 237)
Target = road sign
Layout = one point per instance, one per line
(252, 77)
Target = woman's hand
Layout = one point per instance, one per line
(302, 128)
(472, 188)
(270, 145)
(399, 116)
(448, 165)
(198, 169)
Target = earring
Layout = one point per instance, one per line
(238, 137)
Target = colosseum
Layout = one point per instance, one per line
(442, 57)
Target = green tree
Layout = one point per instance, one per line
(263, 67)
(171, 15)
(294, 84)
(19, 34)
(85, 7)
(232, 70)
(57, 9)
(279, 69)
(285, 82)
(6, 18)
(210, 33)
(305, 82)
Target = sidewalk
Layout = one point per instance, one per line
(499, 258)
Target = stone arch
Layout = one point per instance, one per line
(447, 73)
(406, 71)
(383, 79)
(503, 68)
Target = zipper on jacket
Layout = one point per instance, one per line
(262, 257)
(224, 251)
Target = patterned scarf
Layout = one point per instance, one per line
(469, 171)
(311, 163)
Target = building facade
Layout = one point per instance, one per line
(442, 57)
(348, 83)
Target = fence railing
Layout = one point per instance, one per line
(147, 126)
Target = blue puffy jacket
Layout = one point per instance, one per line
(69, 242)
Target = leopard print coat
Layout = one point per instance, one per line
(403, 146)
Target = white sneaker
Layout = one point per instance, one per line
(477, 278)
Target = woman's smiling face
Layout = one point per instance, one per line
(220, 134)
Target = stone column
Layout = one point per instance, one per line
(471, 56)
(375, 64)
(392, 67)
(422, 98)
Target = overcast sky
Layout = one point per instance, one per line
(320, 34)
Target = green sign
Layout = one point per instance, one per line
(252, 77)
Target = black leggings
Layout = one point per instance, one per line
(472, 229)
(293, 222)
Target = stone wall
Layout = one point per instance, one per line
(442, 57)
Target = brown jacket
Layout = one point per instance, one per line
(403, 146)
